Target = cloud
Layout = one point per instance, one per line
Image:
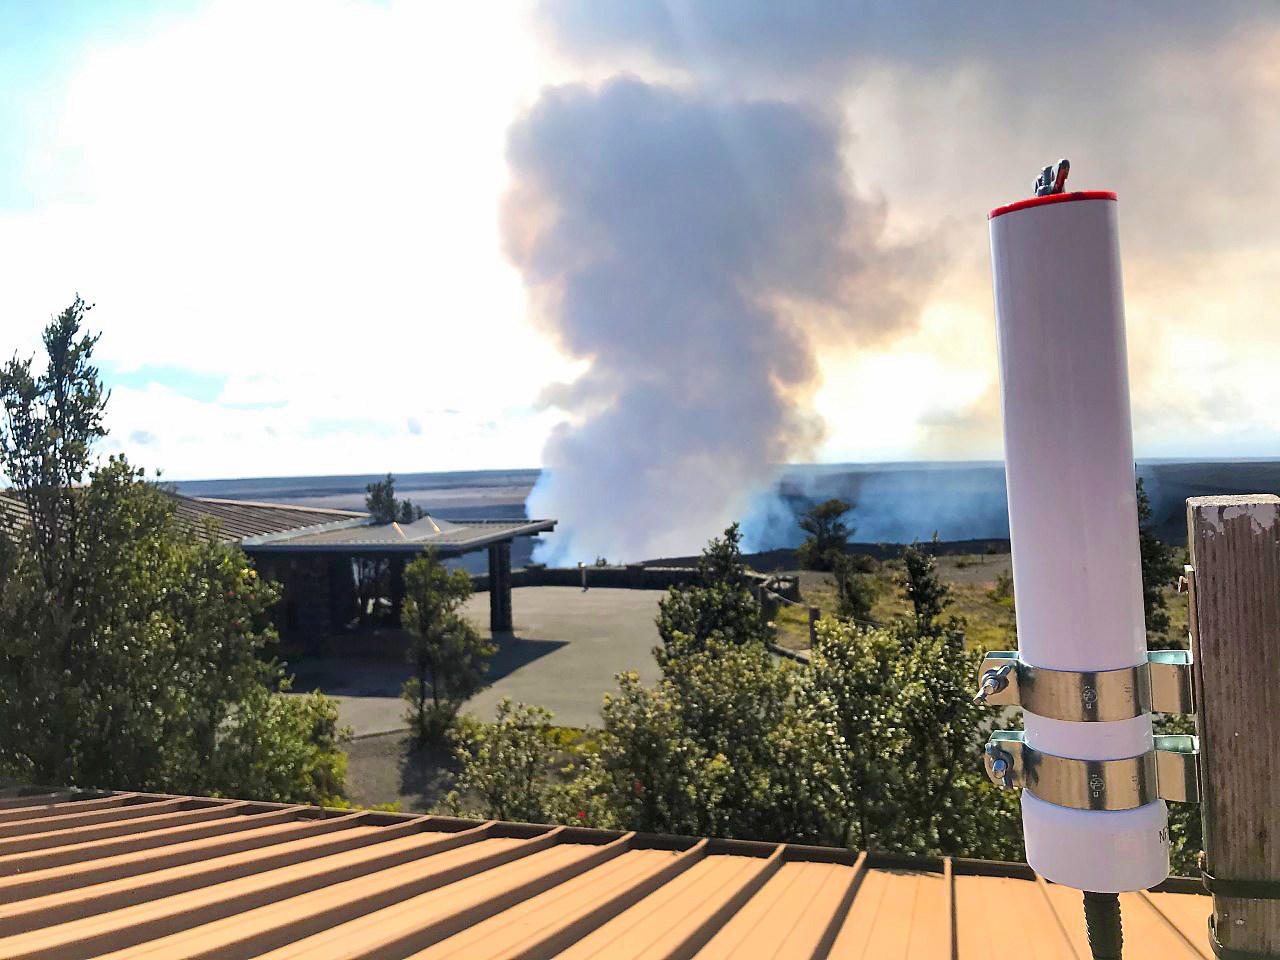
(950, 110)
(298, 202)
(813, 41)
(295, 204)
(289, 441)
(687, 248)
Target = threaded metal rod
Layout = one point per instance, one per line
(1102, 922)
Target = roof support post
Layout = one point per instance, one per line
(500, 587)
(397, 587)
(1235, 636)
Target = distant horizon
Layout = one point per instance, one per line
(939, 461)
(890, 501)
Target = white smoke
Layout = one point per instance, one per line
(684, 247)
(695, 243)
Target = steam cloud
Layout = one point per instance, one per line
(693, 244)
(685, 247)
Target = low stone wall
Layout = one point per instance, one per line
(786, 586)
(631, 577)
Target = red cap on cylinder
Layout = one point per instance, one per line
(1051, 198)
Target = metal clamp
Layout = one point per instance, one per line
(1169, 772)
(1230, 953)
(1240, 889)
(1161, 685)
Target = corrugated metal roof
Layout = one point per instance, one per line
(13, 514)
(360, 535)
(238, 519)
(282, 527)
(141, 875)
(233, 519)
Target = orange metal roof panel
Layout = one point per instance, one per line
(681, 915)
(144, 876)
(554, 918)
(897, 914)
(218, 821)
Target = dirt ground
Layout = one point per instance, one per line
(383, 769)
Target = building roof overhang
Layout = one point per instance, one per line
(360, 536)
(262, 528)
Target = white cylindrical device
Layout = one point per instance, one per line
(1073, 518)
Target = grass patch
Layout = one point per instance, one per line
(972, 579)
(791, 626)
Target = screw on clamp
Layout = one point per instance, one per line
(999, 766)
(1052, 179)
(992, 682)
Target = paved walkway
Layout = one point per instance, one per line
(566, 648)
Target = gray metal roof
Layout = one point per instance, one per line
(363, 536)
(287, 528)
(240, 519)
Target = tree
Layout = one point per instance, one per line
(450, 658)
(711, 748)
(1159, 568)
(896, 740)
(380, 500)
(922, 587)
(721, 561)
(720, 602)
(873, 745)
(132, 655)
(855, 591)
(847, 697)
(1186, 829)
(282, 748)
(51, 424)
(645, 772)
(506, 766)
(828, 534)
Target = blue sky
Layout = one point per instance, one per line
(310, 252)
(201, 387)
(39, 47)
(281, 263)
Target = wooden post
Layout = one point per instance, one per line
(1235, 630)
(815, 614)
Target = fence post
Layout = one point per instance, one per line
(815, 614)
(1235, 636)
